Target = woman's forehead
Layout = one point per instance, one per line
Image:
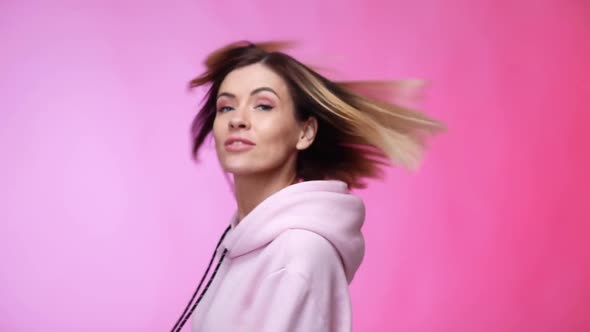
(243, 81)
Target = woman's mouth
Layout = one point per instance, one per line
(238, 144)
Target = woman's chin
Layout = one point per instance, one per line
(241, 170)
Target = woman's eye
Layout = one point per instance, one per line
(264, 107)
(224, 109)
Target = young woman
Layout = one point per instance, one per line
(295, 143)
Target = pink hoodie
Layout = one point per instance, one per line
(288, 264)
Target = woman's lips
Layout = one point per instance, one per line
(238, 144)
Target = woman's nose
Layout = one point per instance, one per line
(238, 120)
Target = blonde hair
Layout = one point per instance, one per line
(359, 129)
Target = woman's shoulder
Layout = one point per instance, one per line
(308, 253)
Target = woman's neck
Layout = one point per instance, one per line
(251, 190)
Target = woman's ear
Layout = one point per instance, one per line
(307, 133)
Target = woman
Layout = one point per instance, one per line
(295, 143)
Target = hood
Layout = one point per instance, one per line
(324, 207)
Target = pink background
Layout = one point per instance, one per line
(107, 225)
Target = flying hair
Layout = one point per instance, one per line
(361, 127)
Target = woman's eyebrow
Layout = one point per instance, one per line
(264, 88)
(255, 91)
(226, 94)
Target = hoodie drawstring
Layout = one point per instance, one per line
(182, 321)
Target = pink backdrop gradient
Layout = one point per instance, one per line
(106, 224)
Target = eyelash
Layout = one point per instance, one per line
(266, 108)
(221, 109)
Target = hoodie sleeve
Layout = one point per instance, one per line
(285, 302)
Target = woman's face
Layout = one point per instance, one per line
(255, 128)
